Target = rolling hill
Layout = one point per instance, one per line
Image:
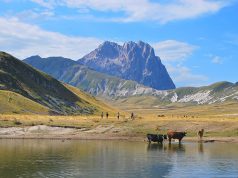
(130, 92)
(219, 92)
(27, 90)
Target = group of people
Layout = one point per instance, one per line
(102, 115)
(118, 115)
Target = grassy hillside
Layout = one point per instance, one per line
(20, 78)
(98, 104)
(14, 103)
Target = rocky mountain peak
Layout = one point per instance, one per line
(140, 48)
(108, 44)
(131, 61)
(109, 49)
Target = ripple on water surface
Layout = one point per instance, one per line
(53, 158)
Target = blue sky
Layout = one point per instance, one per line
(197, 40)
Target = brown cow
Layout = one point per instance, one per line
(176, 135)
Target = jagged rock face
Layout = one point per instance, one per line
(91, 81)
(131, 61)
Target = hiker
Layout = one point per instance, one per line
(107, 115)
(102, 115)
(118, 115)
(132, 116)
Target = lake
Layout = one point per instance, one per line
(78, 158)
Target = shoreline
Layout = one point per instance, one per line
(98, 133)
(120, 138)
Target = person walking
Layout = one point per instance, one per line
(132, 116)
(102, 115)
(107, 115)
(118, 115)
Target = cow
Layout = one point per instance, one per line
(176, 135)
(200, 133)
(156, 138)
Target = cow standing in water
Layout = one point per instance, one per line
(156, 138)
(176, 135)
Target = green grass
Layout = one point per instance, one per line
(52, 95)
(13, 103)
(92, 101)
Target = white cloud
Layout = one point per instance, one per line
(216, 60)
(173, 53)
(172, 50)
(183, 76)
(23, 40)
(142, 10)
(45, 3)
(36, 14)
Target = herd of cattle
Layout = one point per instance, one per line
(170, 135)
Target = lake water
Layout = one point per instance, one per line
(54, 158)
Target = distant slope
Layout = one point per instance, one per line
(54, 66)
(39, 87)
(14, 103)
(127, 91)
(216, 93)
(101, 106)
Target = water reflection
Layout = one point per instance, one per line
(170, 148)
(47, 158)
(176, 147)
(200, 147)
(155, 146)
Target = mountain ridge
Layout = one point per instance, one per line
(91, 81)
(131, 61)
(111, 87)
(19, 77)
